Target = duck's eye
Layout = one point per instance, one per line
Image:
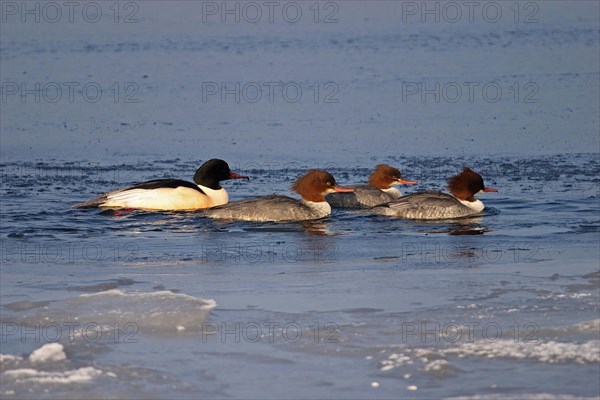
(329, 184)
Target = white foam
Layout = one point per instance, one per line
(30, 375)
(561, 296)
(395, 360)
(588, 326)
(48, 353)
(548, 352)
(9, 357)
(435, 365)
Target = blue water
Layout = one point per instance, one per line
(174, 305)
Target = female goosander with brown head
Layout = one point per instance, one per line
(172, 194)
(312, 187)
(437, 205)
(380, 190)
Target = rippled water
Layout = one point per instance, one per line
(451, 308)
(173, 305)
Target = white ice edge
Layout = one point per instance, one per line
(161, 294)
(80, 375)
(546, 352)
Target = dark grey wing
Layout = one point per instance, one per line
(261, 209)
(369, 196)
(427, 198)
(363, 196)
(343, 200)
(425, 205)
(154, 184)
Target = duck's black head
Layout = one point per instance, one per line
(212, 172)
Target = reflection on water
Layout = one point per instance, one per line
(469, 231)
(319, 227)
(316, 227)
(463, 226)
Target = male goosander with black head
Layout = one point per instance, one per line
(172, 194)
(437, 205)
(380, 190)
(312, 187)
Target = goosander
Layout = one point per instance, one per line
(437, 205)
(172, 194)
(312, 187)
(380, 190)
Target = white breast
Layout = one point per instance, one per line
(476, 206)
(320, 208)
(217, 197)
